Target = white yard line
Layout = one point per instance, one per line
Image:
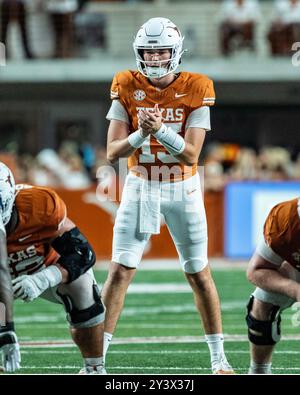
(43, 343)
(173, 264)
(153, 352)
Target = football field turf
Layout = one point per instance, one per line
(159, 331)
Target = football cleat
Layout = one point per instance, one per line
(89, 369)
(222, 367)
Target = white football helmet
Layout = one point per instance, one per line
(7, 193)
(158, 33)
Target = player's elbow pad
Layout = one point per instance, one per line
(76, 254)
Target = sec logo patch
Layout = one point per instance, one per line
(139, 95)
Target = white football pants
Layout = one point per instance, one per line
(180, 203)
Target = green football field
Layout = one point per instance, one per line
(159, 331)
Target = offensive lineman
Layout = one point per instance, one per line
(49, 257)
(274, 269)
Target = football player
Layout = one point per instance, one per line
(274, 269)
(158, 119)
(50, 258)
(9, 345)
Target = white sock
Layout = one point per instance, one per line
(215, 345)
(107, 337)
(260, 368)
(93, 361)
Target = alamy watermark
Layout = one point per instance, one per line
(112, 181)
(2, 55)
(296, 56)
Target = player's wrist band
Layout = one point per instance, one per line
(136, 139)
(172, 141)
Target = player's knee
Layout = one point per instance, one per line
(84, 318)
(250, 273)
(76, 254)
(128, 259)
(119, 275)
(263, 332)
(194, 265)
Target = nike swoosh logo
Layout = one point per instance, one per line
(190, 192)
(25, 237)
(180, 95)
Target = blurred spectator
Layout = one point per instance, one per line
(296, 172)
(15, 11)
(62, 15)
(285, 28)
(87, 153)
(214, 173)
(77, 177)
(246, 166)
(238, 19)
(272, 163)
(65, 170)
(90, 31)
(275, 164)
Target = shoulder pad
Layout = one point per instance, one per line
(120, 83)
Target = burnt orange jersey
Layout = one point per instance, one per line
(185, 94)
(41, 213)
(282, 231)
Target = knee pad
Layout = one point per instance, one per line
(85, 318)
(263, 333)
(76, 254)
(128, 259)
(194, 265)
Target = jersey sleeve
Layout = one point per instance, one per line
(199, 118)
(120, 85)
(51, 212)
(117, 112)
(119, 93)
(209, 96)
(59, 213)
(115, 88)
(203, 92)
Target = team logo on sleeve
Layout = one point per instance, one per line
(139, 95)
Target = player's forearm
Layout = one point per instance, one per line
(119, 149)
(273, 281)
(188, 157)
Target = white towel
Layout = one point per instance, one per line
(150, 207)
